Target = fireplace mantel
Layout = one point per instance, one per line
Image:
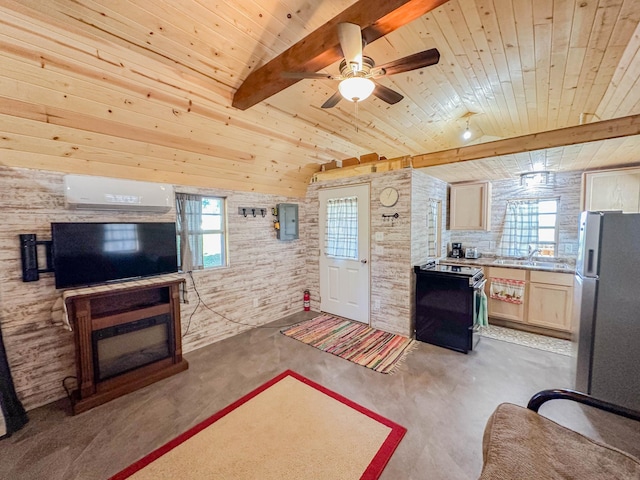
(126, 309)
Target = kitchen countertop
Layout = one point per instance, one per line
(555, 265)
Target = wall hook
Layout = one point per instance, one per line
(245, 211)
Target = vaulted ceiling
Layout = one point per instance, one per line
(144, 89)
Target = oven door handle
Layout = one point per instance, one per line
(480, 286)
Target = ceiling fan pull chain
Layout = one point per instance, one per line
(356, 103)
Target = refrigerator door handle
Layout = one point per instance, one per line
(587, 263)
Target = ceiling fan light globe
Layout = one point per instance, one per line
(356, 89)
(467, 134)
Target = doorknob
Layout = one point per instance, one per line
(364, 260)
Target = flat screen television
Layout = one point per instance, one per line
(93, 253)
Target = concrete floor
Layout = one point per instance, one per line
(442, 397)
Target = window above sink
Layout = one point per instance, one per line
(530, 227)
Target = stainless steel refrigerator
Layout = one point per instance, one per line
(608, 307)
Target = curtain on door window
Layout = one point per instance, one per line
(432, 228)
(520, 228)
(190, 237)
(341, 232)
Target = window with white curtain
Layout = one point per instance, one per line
(201, 231)
(341, 232)
(530, 224)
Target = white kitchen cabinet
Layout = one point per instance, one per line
(612, 190)
(505, 310)
(550, 300)
(470, 206)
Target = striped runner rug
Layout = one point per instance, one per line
(353, 341)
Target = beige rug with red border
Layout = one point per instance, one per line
(289, 428)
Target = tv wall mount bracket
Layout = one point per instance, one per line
(29, 256)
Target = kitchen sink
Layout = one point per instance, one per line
(530, 263)
(548, 265)
(507, 261)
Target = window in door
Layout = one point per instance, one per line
(341, 232)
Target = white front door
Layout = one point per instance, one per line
(344, 252)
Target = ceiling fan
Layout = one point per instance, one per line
(358, 72)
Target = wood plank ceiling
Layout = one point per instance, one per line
(143, 89)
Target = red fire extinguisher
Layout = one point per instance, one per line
(306, 301)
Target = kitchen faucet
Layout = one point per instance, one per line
(532, 252)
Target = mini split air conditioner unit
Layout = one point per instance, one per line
(102, 193)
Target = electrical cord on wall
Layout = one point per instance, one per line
(64, 384)
(200, 301)
(193, 282)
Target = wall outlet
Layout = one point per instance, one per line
(379, 236)
(256, 302)
(379, 250)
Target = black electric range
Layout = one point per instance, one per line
(447, 302)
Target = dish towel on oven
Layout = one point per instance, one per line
(483, 314)
(507, 290)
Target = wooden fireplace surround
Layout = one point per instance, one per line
(89, 311)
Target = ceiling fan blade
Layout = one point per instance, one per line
(386, 94)
(412, 62)
(324, 76)
(333, 100)
(350, 38)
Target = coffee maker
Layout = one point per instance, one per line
(456, 250)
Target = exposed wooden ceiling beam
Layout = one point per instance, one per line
(321, 48)
(589, 132)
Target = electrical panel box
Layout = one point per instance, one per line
(288, 220)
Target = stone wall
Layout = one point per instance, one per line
(392, 242)
(567, 187)
(390, 249)
(266, 277)
(424, 188)
(262, 283)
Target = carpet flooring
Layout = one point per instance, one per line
(289, 428)
(353, 341)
